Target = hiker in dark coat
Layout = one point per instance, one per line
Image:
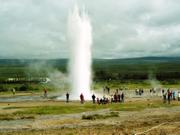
(164, 97)
(115, 97)
(67, 97)
(163, 91)
(93, 98)
(82, 98)
(169, 96)
(119, 98)
(122, 96)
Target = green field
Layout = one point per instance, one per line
(56, 108)
(126, 73)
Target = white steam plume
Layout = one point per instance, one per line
(80, 41)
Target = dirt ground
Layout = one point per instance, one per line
(150, 121)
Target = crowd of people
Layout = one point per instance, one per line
(139, 91)
(118, 96)
(152, 90)
(170, 95)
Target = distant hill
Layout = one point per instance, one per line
(130, 68)
(117, 61)
(24, 62)
(143, 59)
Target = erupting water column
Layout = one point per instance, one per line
(80, 41)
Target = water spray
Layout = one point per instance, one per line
(80, 41)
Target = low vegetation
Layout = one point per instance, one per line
(15, 117)
(100, 116)
(70, 108)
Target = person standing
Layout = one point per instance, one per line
(45, 93)
(122, 96)
(67, 97)
(119, 97)
(94, 98)
(164, 97)
(174, 95)
(115, 97)
(82, 98)
(169, 96)
(163, 91)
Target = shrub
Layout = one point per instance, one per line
(25, 87)
(99, 116)
(2, 89)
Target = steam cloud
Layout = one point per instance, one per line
(53, 76)
(154, 82)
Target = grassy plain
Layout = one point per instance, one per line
(58, 117)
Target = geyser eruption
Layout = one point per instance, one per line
(80, 41)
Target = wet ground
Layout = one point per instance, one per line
(20, 97)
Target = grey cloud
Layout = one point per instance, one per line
(37, 28)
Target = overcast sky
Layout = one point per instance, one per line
(121, 28)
